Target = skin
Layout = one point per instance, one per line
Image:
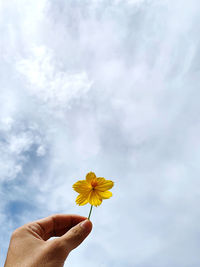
(31, 246)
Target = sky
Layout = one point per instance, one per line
(110, 86)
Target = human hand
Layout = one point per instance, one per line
(30, 247)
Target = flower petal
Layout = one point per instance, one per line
(82, 199)
(105, 194)
(103, 184)
(90, 176)
(82, 187)
(94, 198)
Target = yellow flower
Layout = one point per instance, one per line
(92, 190)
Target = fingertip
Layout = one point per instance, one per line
(86, 225)
(76, 235)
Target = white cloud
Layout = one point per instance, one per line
(110, 87)
(41, 151)
(44, 79)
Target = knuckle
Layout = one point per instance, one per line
(58, 248)
(76, 233)
(16, 233)
(51, 252)
(57, 245)
(55, 215)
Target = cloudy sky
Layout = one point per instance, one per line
(110, 86)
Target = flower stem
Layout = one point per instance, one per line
(90, 212)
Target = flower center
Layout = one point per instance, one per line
(94, 183)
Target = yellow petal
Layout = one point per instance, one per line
(94, 199)
(82, 199)
(82, 187)
(105, 194)
(90, 176)
(103, 184)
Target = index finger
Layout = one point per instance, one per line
(56, 225)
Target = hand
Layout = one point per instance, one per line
(30, 247)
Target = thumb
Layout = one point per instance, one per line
(75, 236)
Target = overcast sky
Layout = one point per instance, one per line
(110, 86)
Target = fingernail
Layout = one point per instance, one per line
(86, 225)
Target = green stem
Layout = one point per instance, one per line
(90, 212)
